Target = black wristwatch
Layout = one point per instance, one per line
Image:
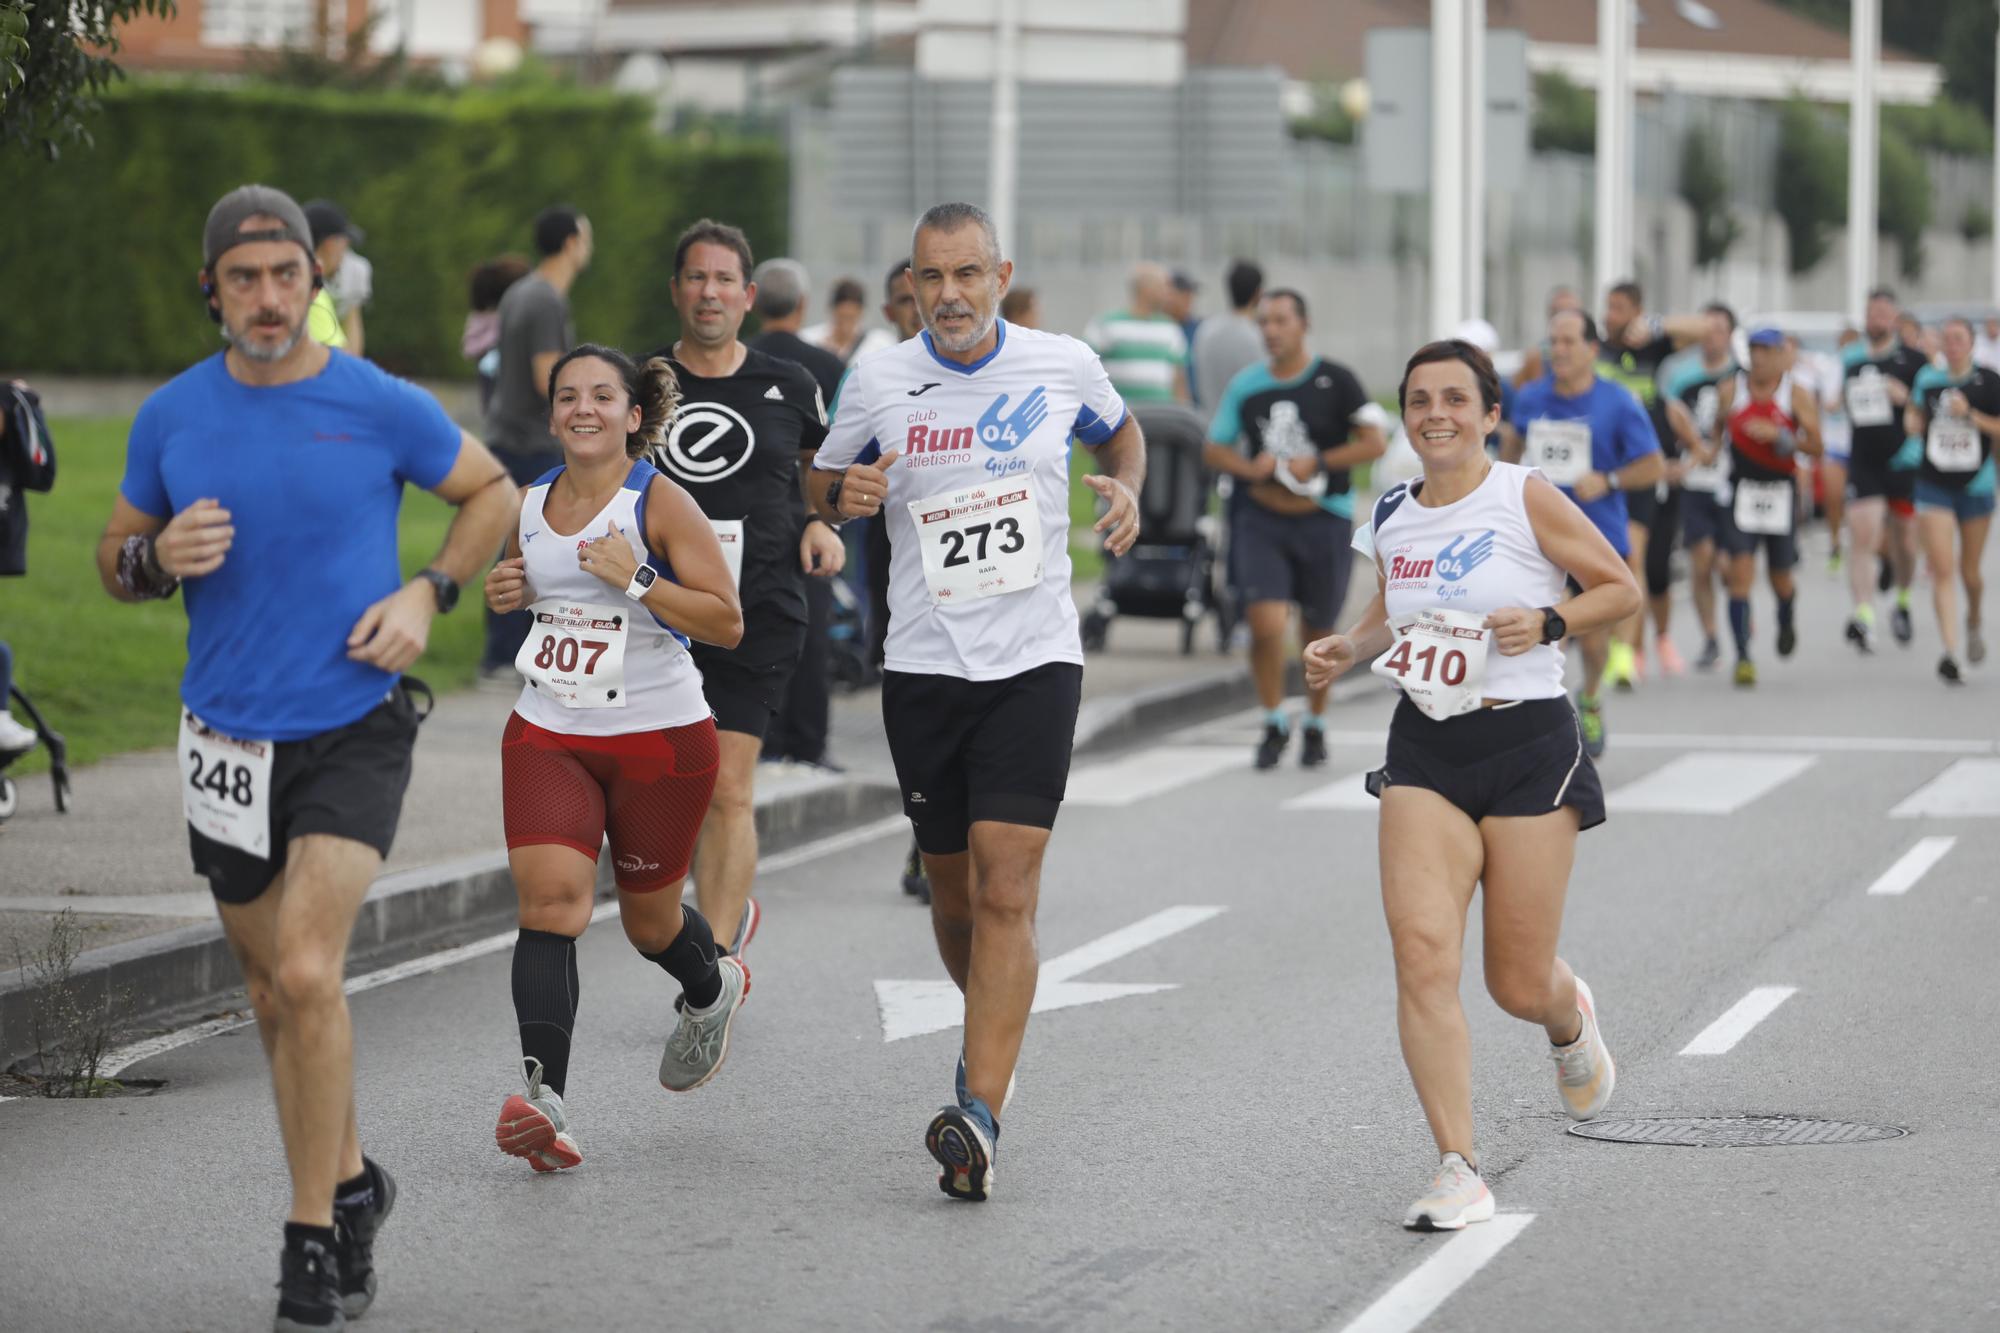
(1554, 628)
(443, 587)
(833, 502)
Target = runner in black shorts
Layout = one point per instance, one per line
(265, 482)
(1289, 428)
(746, 424)
(1880, 372)
(1702, 469)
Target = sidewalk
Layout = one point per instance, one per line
(119, 859)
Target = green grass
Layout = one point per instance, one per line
(107, 674)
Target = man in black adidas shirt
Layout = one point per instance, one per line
(746, 424)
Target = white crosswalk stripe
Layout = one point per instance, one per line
(1970, 787)
(1150, 772)
(1348, 793)
(1707, 783)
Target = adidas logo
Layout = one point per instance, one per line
(773, 394)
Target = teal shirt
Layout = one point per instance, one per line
(1314, 410)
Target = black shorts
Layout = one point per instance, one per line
(745, 685)
(1781, 549)
(967, 750)
(1524, 759)
(1869, 474)
(348, 782)
(1301, 558)
(1701, 518)
(1641, 507)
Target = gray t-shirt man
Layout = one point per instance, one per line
(1223, 346)
(534, 319)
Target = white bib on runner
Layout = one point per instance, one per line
(1952, 445)
(1763, 508)
(1708, 478)
(575, 652)
(1868, 400)
(1561, 449)
(226, 788)
(1439, 661)
(729, 532)
(982, 542)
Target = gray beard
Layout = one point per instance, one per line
(255, 353)
(964, 344)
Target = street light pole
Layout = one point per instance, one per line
(1866, 40)
(1475, 159)
(1613, 229)
(1001, 176)
(1448, 157)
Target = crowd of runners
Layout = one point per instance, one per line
(652, 594)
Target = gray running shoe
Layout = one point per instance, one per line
(700, 1042)
(1457, 1196)
(1975, 645)
(534, 1125)
(1585, 1074)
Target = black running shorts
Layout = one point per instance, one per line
(1524, 759)
(967, 750)
(1302, 558)
(745, 685)
(348, 782)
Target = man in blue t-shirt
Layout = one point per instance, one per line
(1594, 441)
(266, 481)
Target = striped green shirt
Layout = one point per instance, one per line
(1140, 353)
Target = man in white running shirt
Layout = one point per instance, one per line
(984, 665)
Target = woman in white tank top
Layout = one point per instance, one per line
(1485, 780)
(611, 735)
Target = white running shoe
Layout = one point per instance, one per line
(16, 739)
(535, 1127)
(1457, 1196)
(1585, 1075)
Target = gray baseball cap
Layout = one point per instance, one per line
(224, 228)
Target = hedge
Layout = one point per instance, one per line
(99, 251)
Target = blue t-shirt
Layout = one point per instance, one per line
(1620, 433)
(312, 475)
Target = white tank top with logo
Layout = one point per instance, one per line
(598, 663)
(1468, 559)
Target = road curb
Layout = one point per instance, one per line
(407, 914)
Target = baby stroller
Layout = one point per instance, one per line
(1170, 572)
(58, 761)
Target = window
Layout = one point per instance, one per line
(256, 22)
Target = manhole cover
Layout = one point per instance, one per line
(1734, 1131)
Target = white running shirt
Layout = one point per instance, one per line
(975, 440)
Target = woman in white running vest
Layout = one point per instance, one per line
(1485, 781)
(611, 734)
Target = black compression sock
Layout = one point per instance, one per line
(356, 1193)
(298, 1233)
(690, 960)
(545, 995)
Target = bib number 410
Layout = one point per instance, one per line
(975, 535)
(1449, 664)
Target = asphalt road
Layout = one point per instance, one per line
(1232, 1152)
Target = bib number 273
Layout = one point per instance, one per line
(962, 546)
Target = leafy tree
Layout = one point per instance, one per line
(1565, 115)
(1903, 199)
(56, 56)
(1810, 188)
(1967, 53)
(1705, 188)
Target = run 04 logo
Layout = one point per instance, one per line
(1459, 557)
(997, 431)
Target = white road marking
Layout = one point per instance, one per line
(1707, 783)
(1719, 1037)
(1968, 787)
(1147, 773)
(1348, 793)
(919, 1008)
(1912, 865)
(125, 1057)
(1417, 1297)
(1629, 740)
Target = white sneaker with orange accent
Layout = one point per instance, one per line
(1457, 1197)
(1585, 1074)
(535, 1127)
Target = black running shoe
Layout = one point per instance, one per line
(1312, 748)
(1948, 671)
(356, 1228)
(1899, 625)
(308, 1289)
(1711, 653)
(1788, 639)
(1858, 635)
(916, 883)
(1272, 747)
(962, 1147)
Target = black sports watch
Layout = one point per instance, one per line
(441, 584)
(1554, 628)
(833, 503)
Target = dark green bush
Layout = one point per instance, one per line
(1810, 187)
(99, 251)
(1565, 115)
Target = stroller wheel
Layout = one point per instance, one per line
(9, 798)
(63, 796)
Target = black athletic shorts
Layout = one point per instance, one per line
(348, 782)
(1781, 549)
(1518, 759)
(1302, 558)
(967, 750)
(745, 685)
(1642, 506)
(1869, 474)
(1701, 518)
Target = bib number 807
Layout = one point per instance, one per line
(1450, 664)
(564, 653)
(228, 782)
(957, 539)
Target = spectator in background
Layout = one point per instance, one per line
(1225, 344)
(798, 730)
(350, 279)
(1022, 308)
(842, 334)
(1181, 291)
(480, 343)
(1912, 333)
(1986, 347)
(27, 463)
(535, 331)
(1142, 347)
(1535, 362)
